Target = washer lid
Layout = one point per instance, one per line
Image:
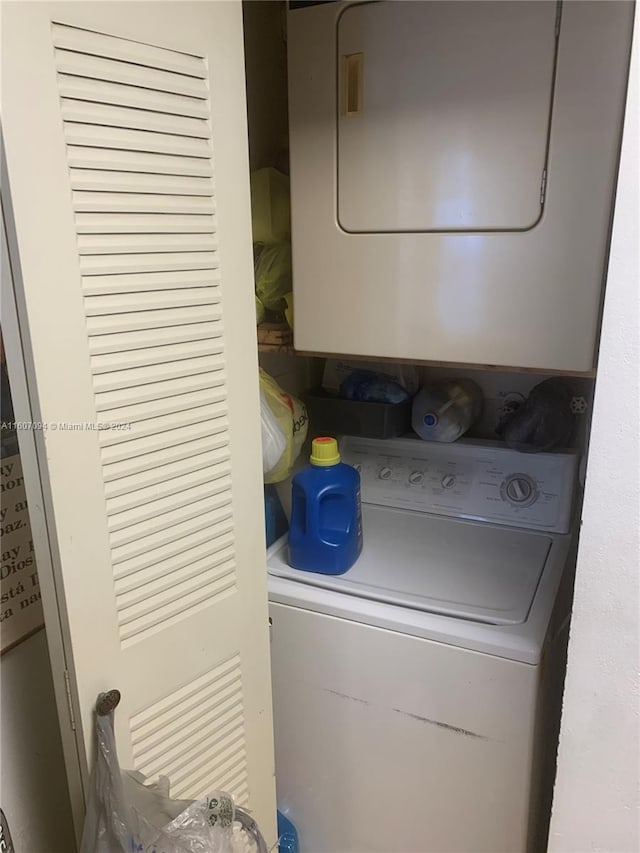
(439, 565)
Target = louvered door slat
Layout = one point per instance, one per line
(134, 182)
(214, 695)
(164, 476)
(195, 739)
(124, 474)
(148, 550)
(136, 628)
(122, 244)
(123, 202)
(131, 74)
(134, 119)
(224, 761)
(211, 747)
(108, 263)
(136, 376)
(95, 285)
(117, 94)
(100, 224)
(133, 524)
(155, 426)
(177, 480)
(158, 408)
(126, 139)
(199, 576)
(175, 387)
(140, 451)
(152, 409)
(155, 564)
(147, 320)
(127, 359)
(212, 551)
(121, 160)
(123, 303)
(126, 149)
(99, 44)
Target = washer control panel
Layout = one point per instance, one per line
(469, 479)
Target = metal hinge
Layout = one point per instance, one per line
(558, 16)
(67, 684)
(543, 187)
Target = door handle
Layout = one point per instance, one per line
(352, 84)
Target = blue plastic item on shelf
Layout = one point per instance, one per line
(372, 387)
(287, 835)
(325, 534)
(275, 519)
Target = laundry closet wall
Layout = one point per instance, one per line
(33, 787)
(596, 794)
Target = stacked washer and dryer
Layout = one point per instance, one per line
(417, 696)
(453, 167)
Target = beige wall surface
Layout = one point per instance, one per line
(596, 797)
(33, 786)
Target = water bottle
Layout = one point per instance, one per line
(444, 411)
(325, 532)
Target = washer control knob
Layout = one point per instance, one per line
(519, 490)
(416, 477)
(384, 473)
(448, 481)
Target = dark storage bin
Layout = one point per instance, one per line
(336, 416)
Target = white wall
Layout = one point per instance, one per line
(33, 785)
(596, 797)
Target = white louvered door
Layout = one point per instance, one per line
(129, 222)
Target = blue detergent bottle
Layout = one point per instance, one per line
(325, 533)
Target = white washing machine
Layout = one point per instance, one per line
(416, 696)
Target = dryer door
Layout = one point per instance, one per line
(444, 115)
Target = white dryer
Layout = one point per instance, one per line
(453, 167)
(416, 696)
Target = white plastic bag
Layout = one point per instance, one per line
(126, 814)
(284, 423)
(274, 438)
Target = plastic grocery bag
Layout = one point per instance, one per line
(126, 814)
(273, 276)
(288, 311)
(284, 424)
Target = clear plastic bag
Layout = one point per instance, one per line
(126, 814)
(284, 424)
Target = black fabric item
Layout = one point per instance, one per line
(543, 422)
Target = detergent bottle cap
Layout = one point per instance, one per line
(324, 452)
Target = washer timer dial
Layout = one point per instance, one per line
(519, 490)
